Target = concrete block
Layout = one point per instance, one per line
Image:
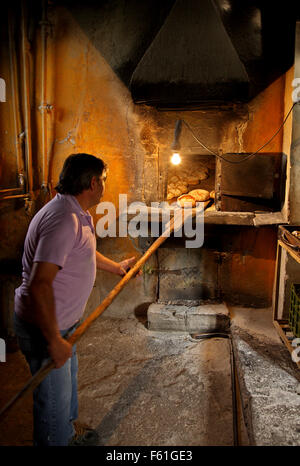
(203, 318)
(166, 317)
(208, 318)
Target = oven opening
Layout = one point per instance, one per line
(241, 182)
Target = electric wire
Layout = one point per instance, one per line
(249, 155)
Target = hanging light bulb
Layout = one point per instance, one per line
(176, 159)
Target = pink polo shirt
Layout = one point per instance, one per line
(61, 233)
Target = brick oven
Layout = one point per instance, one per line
(246, 197)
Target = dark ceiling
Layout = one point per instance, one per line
(183, 53)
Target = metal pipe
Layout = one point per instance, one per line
(9, 190)
(17, 196)
(50, 108)
(43, 107)
(27, 112)
(15, 101)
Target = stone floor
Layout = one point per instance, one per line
(269, 379)
(141, 387)
(154, 388)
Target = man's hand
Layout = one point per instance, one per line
(126, 265)
(60, 351)
(119, 268)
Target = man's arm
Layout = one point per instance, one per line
(119, 268)
(43, 308)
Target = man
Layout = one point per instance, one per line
(59, 269)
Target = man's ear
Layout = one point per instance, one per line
(93, 182)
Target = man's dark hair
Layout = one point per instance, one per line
(77, 173)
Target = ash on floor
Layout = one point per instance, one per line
(138, 387)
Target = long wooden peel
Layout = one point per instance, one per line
(175, 223)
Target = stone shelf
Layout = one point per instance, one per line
(244, 218)
(224, 218)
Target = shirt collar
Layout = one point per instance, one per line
(75, 204)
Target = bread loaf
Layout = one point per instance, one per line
(186, 201)
(200, 195)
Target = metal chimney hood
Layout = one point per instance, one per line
(191, 59)
(214, 51)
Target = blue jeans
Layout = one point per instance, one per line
(55, 405)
